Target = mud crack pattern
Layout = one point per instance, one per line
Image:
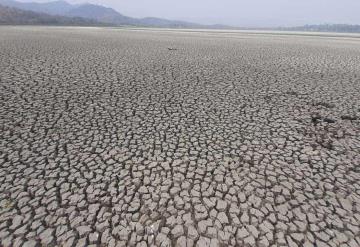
(157, 138)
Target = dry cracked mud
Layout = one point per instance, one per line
(160, 138)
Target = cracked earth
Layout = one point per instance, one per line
(161, 138)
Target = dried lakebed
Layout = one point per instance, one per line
(160, 138)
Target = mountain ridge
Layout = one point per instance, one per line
(98, 13)
(51, 8)
(15, 16)
(101, 15)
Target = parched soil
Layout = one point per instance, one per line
(118, 137)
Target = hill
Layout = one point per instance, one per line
(51, 8)
(14, 16)
(92, 14)
(98, 13)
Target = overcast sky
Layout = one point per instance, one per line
(240, 12)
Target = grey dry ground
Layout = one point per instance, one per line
(110, 138)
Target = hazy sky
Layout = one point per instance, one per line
(240, 12)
